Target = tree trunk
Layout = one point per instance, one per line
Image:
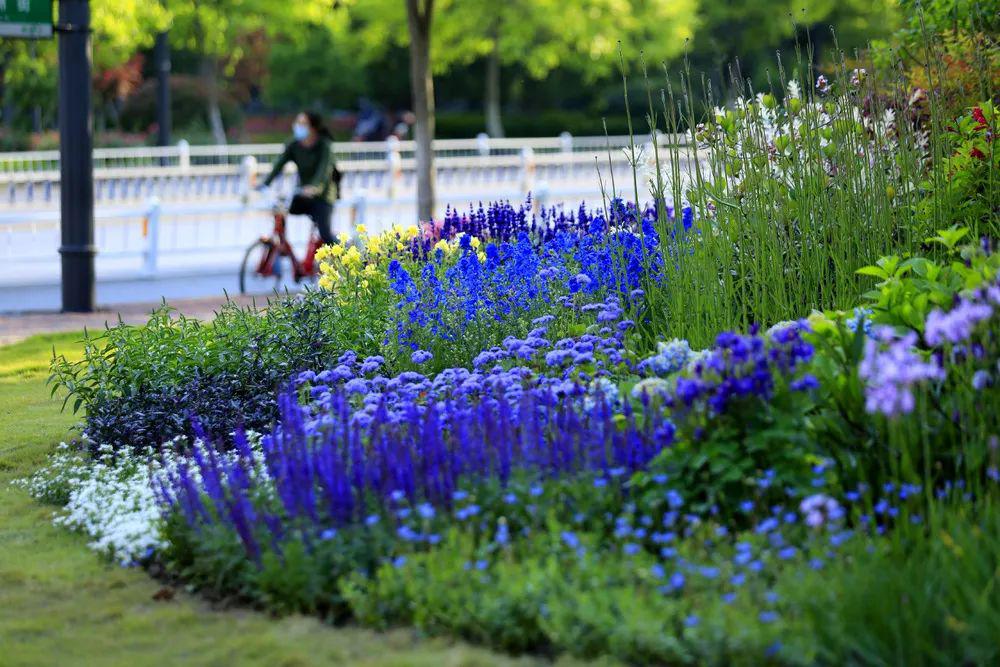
(7, 109)
(494, 123)
(161, 57)
(209, 72)
(418, 13)
(36, 110)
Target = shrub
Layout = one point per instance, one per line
(141, 385)
(187, 106)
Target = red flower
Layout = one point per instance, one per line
(977, 114)
(975, 152)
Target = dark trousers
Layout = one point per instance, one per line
(319, 211)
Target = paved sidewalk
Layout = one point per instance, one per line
(19, 326)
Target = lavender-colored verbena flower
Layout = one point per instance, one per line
(891, 367)
(421, 357)
(956, 325)
(820, 509)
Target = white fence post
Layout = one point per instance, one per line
(527, 169)
(483, 144)
(394, 164)
(248, 175)
(184, 155)
(566, 142)
(540, 197)
(151, 230)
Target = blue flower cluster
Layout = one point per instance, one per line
(568, 367)
(446, 298)
(339, 471)
(502, 222)
(742, 366)
(527, 264)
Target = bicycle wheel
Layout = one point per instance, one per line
(260, 272)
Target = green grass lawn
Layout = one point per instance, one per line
(62, 604)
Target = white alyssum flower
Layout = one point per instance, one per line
(116, 507)
(110, 497)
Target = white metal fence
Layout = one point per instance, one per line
(30, 180)
(187, 238)
(194, 212)
(184, 155)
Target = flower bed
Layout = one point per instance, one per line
(480, 428)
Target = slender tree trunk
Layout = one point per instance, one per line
(161, 57)
(494, 122)
(210, 75)
(8, 107)
(419, 13)
(36, 110)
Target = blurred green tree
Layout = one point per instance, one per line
(215, 29)
(28, 70)
(744, 35)
(538, 35)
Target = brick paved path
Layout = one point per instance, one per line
(19, 326)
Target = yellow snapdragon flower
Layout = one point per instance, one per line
(352, 258)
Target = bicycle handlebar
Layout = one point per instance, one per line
(276, 201)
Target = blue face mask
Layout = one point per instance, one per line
(300, 131)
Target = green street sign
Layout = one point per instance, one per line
(27, 19)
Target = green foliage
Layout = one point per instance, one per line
(29, 81)
(123, 26)
(928, 597)
(948, 437)
(317, 67)
(909, 289)
(967, 189)
(187, 96)
(790, 196)
(721, 460)
(141, 384)
(536, 34)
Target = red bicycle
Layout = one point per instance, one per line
(263, 267)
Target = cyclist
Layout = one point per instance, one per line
(312, 152)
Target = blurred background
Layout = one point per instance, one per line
(520, 68)
(524, 95)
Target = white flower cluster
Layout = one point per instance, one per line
(116, 507)
(53, 483)
(110, 497)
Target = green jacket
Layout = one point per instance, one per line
(315, 165)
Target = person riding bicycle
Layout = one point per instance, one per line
(319, 179)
